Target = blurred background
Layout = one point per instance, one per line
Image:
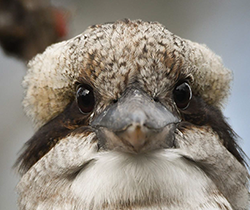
(224, 26)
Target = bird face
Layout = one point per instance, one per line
(128, 116)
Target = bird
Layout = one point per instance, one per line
(128, 115)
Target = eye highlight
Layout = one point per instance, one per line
(182, 95)
(85, 98)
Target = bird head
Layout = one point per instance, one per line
(128, 115)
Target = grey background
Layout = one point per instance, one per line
(224, 26)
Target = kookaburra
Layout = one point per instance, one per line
(128, 116)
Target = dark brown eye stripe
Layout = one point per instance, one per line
(50, 134)
(199, 113)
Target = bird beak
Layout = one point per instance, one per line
(136, 123)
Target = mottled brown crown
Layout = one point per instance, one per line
(110, 56)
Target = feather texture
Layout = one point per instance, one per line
(188, 157)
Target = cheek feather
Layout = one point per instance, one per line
(68, 122)
(201, 114)
(204, 148)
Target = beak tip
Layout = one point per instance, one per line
(135, 136)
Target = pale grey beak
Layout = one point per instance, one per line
(136, 121)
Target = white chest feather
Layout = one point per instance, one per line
(161, 179)
(158, 180)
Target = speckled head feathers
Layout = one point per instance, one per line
(110, 56)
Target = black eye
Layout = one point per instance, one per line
(85, 98)
(182, 95)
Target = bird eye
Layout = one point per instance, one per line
(85, 98)
(182, 95)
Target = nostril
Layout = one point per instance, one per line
(156, 99)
